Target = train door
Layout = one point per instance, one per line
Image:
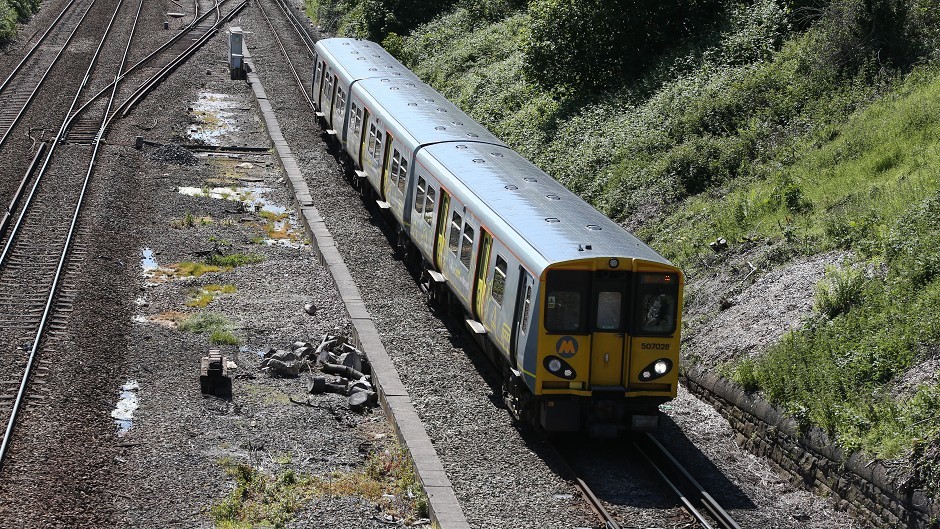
(521, 315)
(483, 265)
(440, 241)
(608, 328)
(386, 163)
(318, 84)
(365, 138)
(333, 88)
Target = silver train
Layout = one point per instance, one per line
(582, 317)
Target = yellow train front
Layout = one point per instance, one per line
(606, 348)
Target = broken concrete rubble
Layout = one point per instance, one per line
(334, 355)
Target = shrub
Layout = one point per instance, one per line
(839, 291)
(8, 18)
(596, 44)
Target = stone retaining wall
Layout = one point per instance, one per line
(874, 493)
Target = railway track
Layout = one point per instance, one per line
(19, 89)
(141, 78)
(703, 510)
(305, 46)
(40, 252)
(695, 499)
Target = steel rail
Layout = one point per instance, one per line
(125, 108)
(280, 43)
(309, 41)
(692, 495)
(163, 47)
(593, 501)
(24, 382)
(45, 75)
(5, 222)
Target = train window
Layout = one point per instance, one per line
(402, 174)
(419, 196)
(377, 155)
(393, 174)
(371, 147)
(429, 205)
(566, 301)
(356, 114)
(608, 310)
(525, 309)
(466, 248)
(455, 225)
(499, 279)
(656, 306)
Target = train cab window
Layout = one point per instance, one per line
(656, 307)
(566, 300)
(466, 248)
(393, 174)
(429, 205)
(609, 305)
(455, 224)
(525, 308)
(402, 174)
(499, 280)
(419, 195)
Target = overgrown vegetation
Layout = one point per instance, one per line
(386, 480)
(13, 12)
(200, 297)
(811, 125)
(234, 259)
(217, 326)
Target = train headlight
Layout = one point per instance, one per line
(558, 367)
(656, 369)
(661, 367)
(614, 263)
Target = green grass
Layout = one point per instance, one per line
(222, 337)
(218, 327)
(235, 259)
(874, 189)
(200, 297)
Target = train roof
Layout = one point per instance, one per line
(557, 225)
(422, 112)
(362, 59)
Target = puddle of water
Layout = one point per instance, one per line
(148, 263)
(213, 117)
(286, 243)
(123, 413)
(151, 270)
(250, 197)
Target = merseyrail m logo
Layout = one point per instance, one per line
(566, 347)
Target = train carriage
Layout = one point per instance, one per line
(582, 316)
